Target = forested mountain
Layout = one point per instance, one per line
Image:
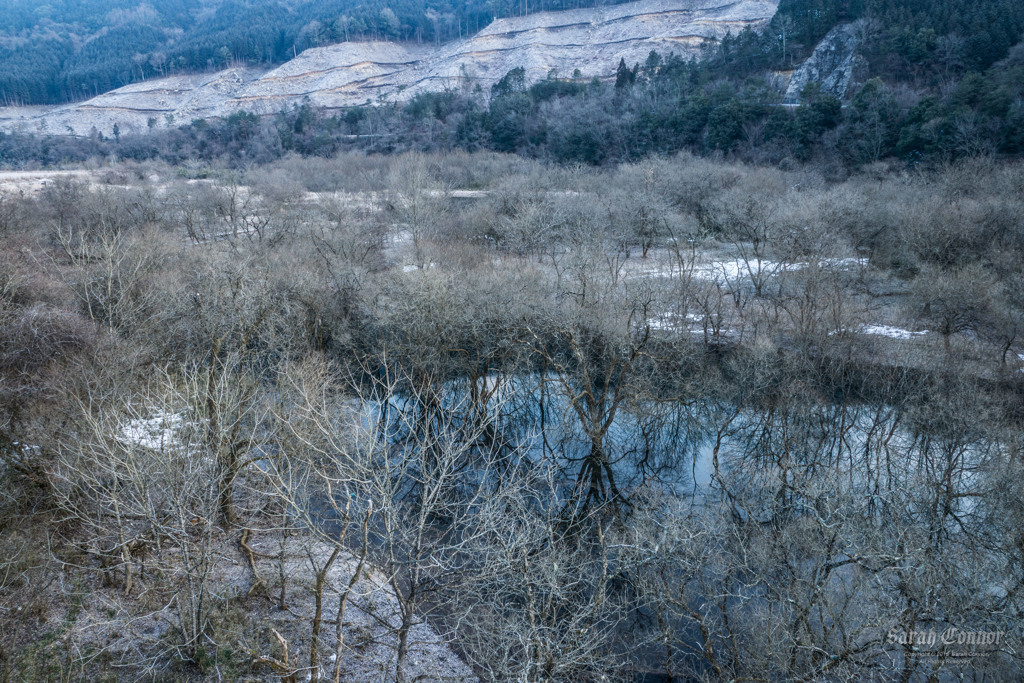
(66, 50)
(936, 80)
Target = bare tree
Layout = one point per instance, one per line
(417, 200)
(594, 350)
(954, 301)
(229, 319)
(406, 480)
(112, 276)
(536, 599)
(135, 474)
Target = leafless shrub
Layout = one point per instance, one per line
(137, 474)
(496, 422)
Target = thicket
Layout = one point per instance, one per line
(586, 423)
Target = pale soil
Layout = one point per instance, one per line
(591, 40)
(33, 182)
(136, 633)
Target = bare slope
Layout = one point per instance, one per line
(591, 40)
(834, 65)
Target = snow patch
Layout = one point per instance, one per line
(845, 263)
(661, 324)
(157, 432)
(890, 331)
(725, 272)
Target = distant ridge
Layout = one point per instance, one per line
(591, 41)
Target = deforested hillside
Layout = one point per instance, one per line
(581, 43)
(67, 50)
(840, 84)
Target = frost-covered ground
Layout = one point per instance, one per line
(891, 331)
(32, 182)
(136, 632)
(156, 432)
(371, 616)
(729, 271)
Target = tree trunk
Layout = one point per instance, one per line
(318, 612)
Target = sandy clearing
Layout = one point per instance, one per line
(33, 182)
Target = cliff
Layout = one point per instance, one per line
(834, 64)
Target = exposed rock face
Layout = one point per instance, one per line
(591, 40)
(833, 65)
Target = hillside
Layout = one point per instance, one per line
(584, 43)
(66, 50)
(842, 83)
